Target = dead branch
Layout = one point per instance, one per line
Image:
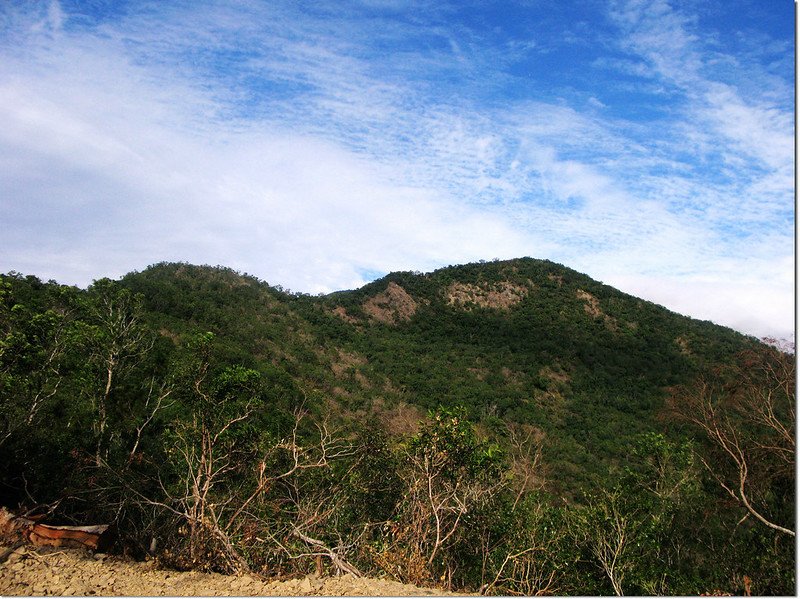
(703, 407)
(341, 564)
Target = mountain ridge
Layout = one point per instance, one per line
(527, 340)
(258, 427)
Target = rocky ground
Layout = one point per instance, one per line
(49, 571)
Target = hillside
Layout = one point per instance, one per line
(511, 426)
(526, 340)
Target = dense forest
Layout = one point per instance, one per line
(507, 427)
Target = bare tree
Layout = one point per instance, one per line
(521, 574)
(448, 475)
(156, 401)
(607, 527)
(526, 442)
(118, 340)
(749, 417)
(307, 508)
(220, 524)
(527, 568)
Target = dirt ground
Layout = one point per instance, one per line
(43, 571)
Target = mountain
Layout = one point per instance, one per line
(528, 341)
(509, 427)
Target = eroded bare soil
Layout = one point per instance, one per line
(48, 571)
(501, 296)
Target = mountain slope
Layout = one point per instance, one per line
(527, 341)
(229, 425)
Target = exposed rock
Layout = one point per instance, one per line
(500, 296)
(70, 572)
(306, 587)
(391, 306)
(592, 307)
(683, 344)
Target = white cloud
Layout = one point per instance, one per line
(757, 307)
(295, 209)
(763, 132)
(310, 159)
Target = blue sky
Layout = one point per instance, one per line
(317, 145)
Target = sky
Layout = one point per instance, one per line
(320, 145)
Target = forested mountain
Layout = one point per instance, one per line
(511, 426)
(527, 341)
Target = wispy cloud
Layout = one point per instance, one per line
(309, 145)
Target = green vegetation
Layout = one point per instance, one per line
(577, 440)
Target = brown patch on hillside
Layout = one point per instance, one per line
(500, 296)
(512, 377)
(363, 381)
(480, 373)
(391, 306)
(592, 307)
(557, 278)
(557, 376)
(553, 399)
(683, 344)
(389, 388)
(347, 361)
(172, 336)
(401, 419)
(342, 313)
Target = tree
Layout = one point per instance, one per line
(33, 350)
(747, 414)
(531, 552)
(117, 339)
(448, 476)
(608, 527)
(306, 496)
(233, 488)
(526, 443)
(206, 448)
(634, 531)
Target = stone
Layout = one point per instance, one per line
(305, 586)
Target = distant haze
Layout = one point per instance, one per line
(319, 145)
